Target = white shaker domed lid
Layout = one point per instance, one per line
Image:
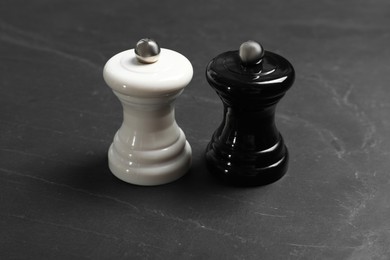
(168, 72)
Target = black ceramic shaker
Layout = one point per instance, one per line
(247, 148)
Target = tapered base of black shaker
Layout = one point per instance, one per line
(247, 174)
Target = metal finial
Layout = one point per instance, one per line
(251, 52)
(147, 50)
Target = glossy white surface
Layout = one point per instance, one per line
(149, 148)
(126, 75)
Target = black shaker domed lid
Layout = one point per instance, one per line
(250, 71)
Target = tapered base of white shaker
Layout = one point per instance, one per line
(152, 167)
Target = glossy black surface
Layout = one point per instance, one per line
(247, 149)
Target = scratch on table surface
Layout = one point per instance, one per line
(319, 246)
(326, 135)
(235, 199)
(355, 204)
(338, 146)
(372, 246)
(30, 60)
(143, 244)
(294, 119)
(332, 24)
(24, 124)
(70, 227)
(339, 99)
(255, 204)
(121, 202)
(81, 112)
(88, 231)
(199, 225)
(354, 211)
(270, 215)
(13, 35)
(370, 138)
(17, 124)
(307, 245)
(37, 155)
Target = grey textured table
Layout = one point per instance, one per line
(58, 199)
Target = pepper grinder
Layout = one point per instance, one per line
(149, 148)
(247, 149)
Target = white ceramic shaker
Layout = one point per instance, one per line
(149, 148)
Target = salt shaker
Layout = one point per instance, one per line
(149, 148)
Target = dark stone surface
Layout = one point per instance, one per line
(58, 199)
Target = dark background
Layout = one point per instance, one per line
(58, 199)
